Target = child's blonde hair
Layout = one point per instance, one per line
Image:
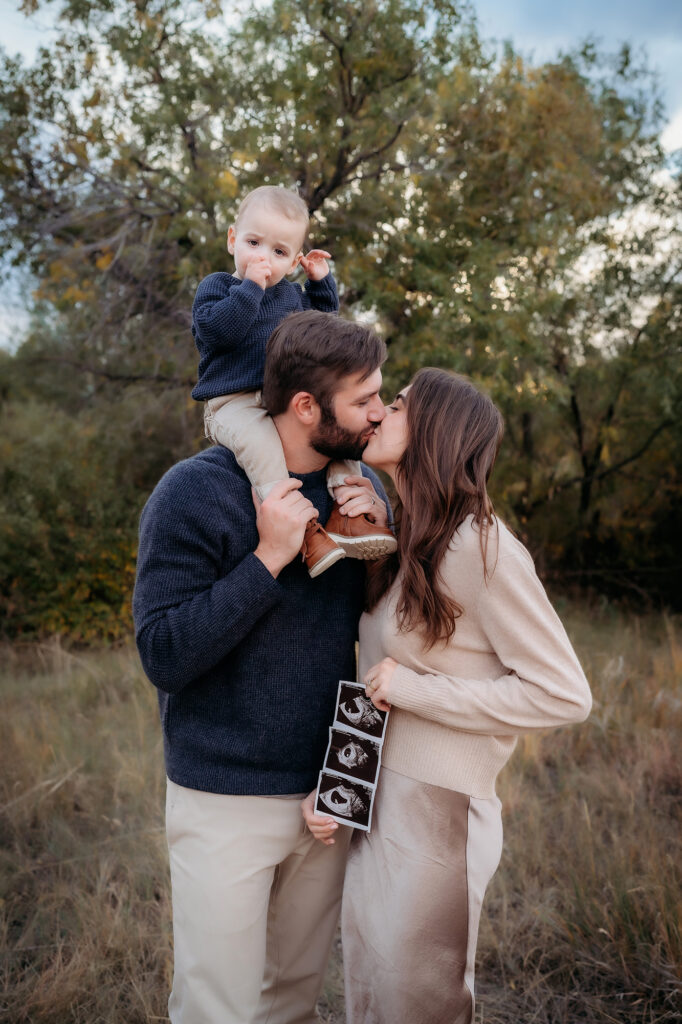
(283, 200)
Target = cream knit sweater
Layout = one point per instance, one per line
(458, 708)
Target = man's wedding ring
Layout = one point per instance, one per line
(373, 501)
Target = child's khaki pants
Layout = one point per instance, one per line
(239, 422)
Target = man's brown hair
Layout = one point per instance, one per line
(312, 351)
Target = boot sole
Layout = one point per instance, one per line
(326, 562)
(366, 547)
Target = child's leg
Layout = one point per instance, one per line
(239, 422)
(358, 535)
(338, 471)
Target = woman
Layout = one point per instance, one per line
(461, 642)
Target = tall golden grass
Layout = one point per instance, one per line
(582, 921)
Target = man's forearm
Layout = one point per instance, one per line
(180, 642)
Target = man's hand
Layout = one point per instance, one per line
(258, 269)
(358, 497)
(281, 521)
(377, 683)
(322, 828)
(315, 264)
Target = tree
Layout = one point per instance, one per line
(130, 140)
(481, 212)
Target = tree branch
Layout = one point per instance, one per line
(121, 378)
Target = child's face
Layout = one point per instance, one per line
(266, 234)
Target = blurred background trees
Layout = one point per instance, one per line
(514, 222)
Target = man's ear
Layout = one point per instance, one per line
(306, 409)
(230, 240)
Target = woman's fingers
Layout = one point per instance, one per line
(371, 675)
(379, 703)
(362, 504)
(357, 497)
(377, 681)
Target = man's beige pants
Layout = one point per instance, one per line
(255, 906)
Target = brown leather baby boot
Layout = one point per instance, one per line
(359, 536)
(319, 551)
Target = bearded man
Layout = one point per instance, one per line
(246, 651)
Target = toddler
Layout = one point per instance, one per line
(233, 316)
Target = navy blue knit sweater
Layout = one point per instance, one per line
(232, 321)
(246, 666)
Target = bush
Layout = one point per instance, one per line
(73, 487)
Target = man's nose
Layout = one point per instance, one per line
(377, 410)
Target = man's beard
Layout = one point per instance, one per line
(335, 441)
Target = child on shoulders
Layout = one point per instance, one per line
(233, 316)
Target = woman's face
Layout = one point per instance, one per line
(389, 440)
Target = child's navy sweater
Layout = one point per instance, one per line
(246, 666)
(232, 321)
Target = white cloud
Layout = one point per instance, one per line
(671, 138)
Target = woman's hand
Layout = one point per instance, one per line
(357, 497)
(322, 828)
(377, 683)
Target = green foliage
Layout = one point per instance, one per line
(66, 554)
(514, 222)
(72, 491)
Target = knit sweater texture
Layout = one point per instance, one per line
(246, 666)
(232, 321)
(458, 708)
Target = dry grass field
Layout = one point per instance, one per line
(582, 922)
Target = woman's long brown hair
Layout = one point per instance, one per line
(453, 436)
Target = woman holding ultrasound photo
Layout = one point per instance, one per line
(461, 643)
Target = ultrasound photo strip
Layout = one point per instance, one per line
(355, 710)
(354, 755)
(348, 802)
(347, 782)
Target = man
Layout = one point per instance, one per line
(246, 652)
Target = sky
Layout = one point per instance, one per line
(537, 28)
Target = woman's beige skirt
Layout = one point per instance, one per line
(412, 903)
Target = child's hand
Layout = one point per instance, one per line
(315, 264)
(258, 269)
